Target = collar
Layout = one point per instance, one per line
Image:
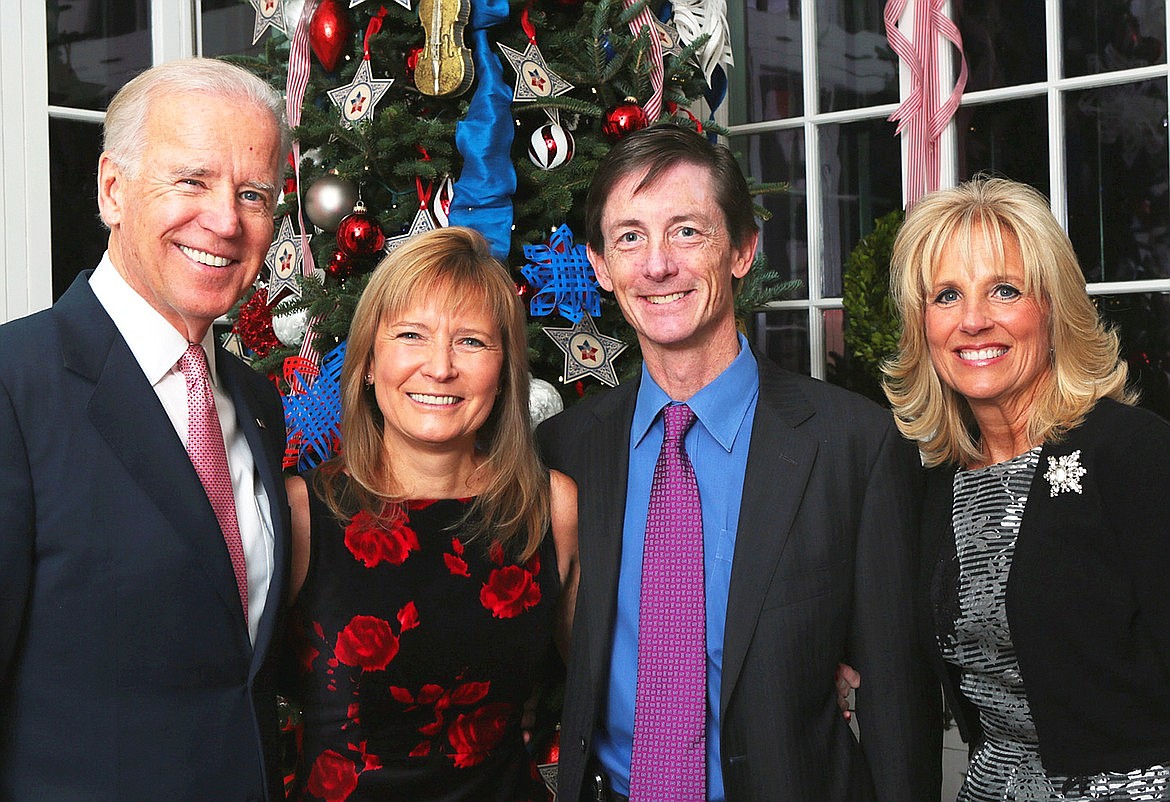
(721, 406)
(155, 343)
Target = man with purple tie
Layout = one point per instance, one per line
(742, 530)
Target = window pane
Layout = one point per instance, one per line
(1143, 321)
(779, 156)
(227, 27)
(1008, 139)
(861, 180)
(1118, 173)
(771, 61)
(1106, 35)
(78, 235)
(782, 336)
(854, 61)
(94, 48)
(1003, 42)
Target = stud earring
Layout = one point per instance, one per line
(369, 380)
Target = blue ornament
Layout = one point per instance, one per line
(561, 277)
(315, 415)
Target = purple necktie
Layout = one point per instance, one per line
(205, 445)
(670, 706)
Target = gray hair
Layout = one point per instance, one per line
(125, 126)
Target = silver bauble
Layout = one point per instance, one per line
(543, 400)
(329, 199)
(289, 327)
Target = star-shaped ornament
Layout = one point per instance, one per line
(668, 38)
(562, 277)
(587, 353)
(358, 98)
(269, 14)
(534, 80)
(285, 260)
(422, 223)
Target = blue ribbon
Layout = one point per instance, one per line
(483, 193)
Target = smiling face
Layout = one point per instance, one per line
(189, 229)
(988, 340)
(669, 261)
(437, 370)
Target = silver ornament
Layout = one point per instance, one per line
(329, 199)
(543, 400)
(289, 327)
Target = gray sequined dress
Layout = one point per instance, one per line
(988, 507)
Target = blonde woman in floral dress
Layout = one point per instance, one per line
(1046, 531)
(434, 559)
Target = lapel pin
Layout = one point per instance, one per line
(260, 423)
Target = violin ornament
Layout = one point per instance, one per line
(444, 66)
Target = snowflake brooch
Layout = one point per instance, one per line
(1064, 474)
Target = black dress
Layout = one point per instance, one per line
(417, 652)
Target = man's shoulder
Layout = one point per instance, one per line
(781, 386)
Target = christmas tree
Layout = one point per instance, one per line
(465, 112)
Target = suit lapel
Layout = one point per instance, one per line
(780, 460)
(125, 410)
(606, 468)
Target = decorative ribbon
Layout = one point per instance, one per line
(644, 19)
(483, 194)
(921, 117)
(374, 27)
(294, 95)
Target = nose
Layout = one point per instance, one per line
(975, 317)
(440, 362)
(658, 264)
(221, 214)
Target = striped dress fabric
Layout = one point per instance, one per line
(988, 507)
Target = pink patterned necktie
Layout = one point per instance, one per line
(205, 445)
(670, 703)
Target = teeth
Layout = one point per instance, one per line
(983, 353)
(438, 400)
(664, 299)
(205, 258)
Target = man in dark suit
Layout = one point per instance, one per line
(134, 632)
(808, 505)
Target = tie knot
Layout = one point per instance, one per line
(677, 419)
(193, 364)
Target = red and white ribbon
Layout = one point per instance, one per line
(653, 106)
(923, 115)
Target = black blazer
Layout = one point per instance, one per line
(126, 671)
(822, 572)
(1087, 598)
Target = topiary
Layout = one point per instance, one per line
(872, 327)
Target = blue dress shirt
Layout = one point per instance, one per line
(718, 448)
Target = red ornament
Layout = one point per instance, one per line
(358, 233)
(412, 57)
(340, 265)
(254, 325)
(329, 32)
(624, 119)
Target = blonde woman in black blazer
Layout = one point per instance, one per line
(1046, 531)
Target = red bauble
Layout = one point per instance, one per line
(358, 233)
(329, 32)
(340, 265)
(412, 57)
(624, 119)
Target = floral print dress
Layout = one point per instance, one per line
(417, 652)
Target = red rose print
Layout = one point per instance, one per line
(371, 541)
(475, 734)
(333, 777)
(470, 692)
(454, 559)
(407, 617)
(429, 694)
(401, 695)
(496, 552)
(422, 750)
(367, 643)
(509, 591)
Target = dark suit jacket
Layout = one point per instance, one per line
(1087, 602)
(126, 672)
(822, 573)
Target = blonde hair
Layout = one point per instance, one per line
(1085, 362)
(456, 264)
